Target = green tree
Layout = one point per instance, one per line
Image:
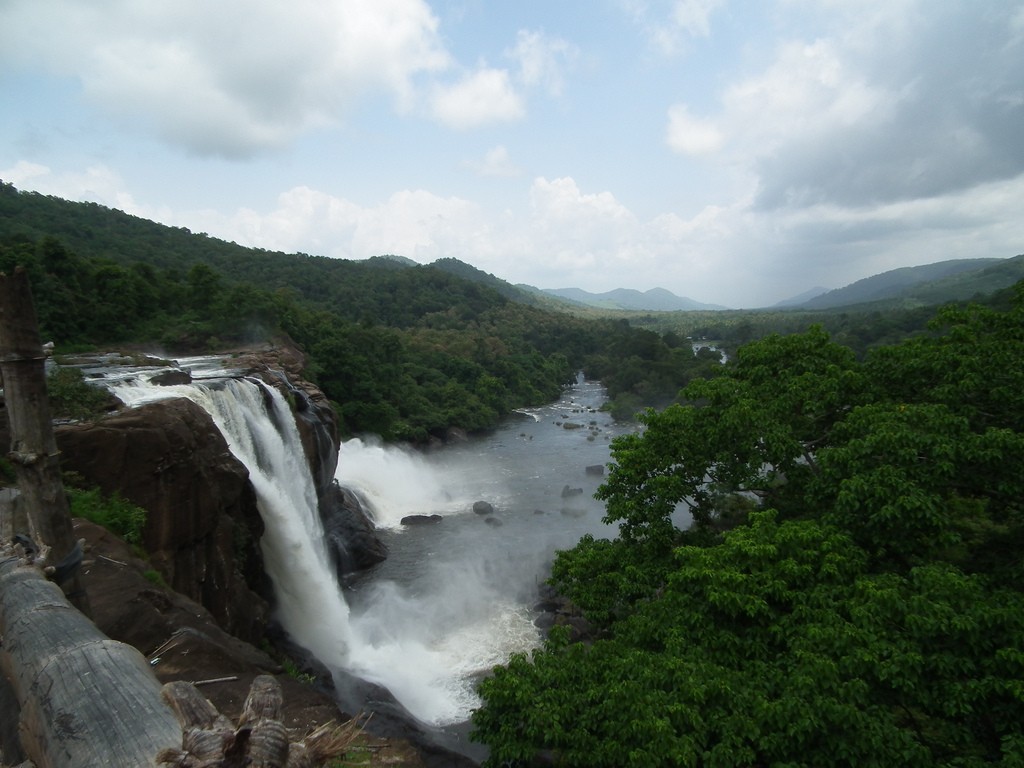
(755, 429)
(871, 614)
(777, 646)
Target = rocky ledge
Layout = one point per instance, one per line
(183, 641)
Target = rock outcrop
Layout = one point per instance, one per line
(203, 527)
(349, 533)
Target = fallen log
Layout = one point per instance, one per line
(85, 700)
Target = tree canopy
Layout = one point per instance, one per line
(849, 593)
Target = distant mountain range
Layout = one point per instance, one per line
(170, 247)
(654, 300)
(943, 281)
(930, 284)
(802, 298)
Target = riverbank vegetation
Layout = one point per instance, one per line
(849, 593)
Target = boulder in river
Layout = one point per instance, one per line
(421, 519)
(349, 533)
(483, 507)
(171, 378)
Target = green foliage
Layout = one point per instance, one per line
(112, 512)
(292, 670)
(71, 397)
(7, 476)
(777, 646)
(872, 614)
(154, 577)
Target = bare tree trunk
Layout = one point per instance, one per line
(33, 450)
(84, 699)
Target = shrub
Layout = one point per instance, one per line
(112, 512)
(72, 398)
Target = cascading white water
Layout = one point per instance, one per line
(457, 610)
(393, 481)
(260, 431)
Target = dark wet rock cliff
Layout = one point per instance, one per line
(203, 527)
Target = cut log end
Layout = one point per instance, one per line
(261, 740)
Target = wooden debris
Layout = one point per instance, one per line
(261, 740)
(212, 680)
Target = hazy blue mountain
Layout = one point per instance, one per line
(801, 298)
(904, 283)
(654, 300)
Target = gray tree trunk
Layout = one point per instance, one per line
(85, 699)
(43, 507)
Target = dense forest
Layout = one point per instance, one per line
(850, 592)
(404, 351)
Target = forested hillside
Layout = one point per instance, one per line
(850, 594)
(930, 283)
(404, 351)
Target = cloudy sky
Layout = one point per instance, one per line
(737, 152)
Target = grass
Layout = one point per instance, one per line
(292, 670)
(112, 512)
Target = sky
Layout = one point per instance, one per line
(737, 152)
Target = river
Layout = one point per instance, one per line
(456, 597)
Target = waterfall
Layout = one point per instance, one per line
(428, 644)
(260, 431)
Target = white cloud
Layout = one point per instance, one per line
(496, 95)
(233, 77)
(496, 162)
(542, 60)
(481, 97)
(902, 102)
(694, 16)
(668, 30)
(413, 223)
(689, 135)
(808, 89)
